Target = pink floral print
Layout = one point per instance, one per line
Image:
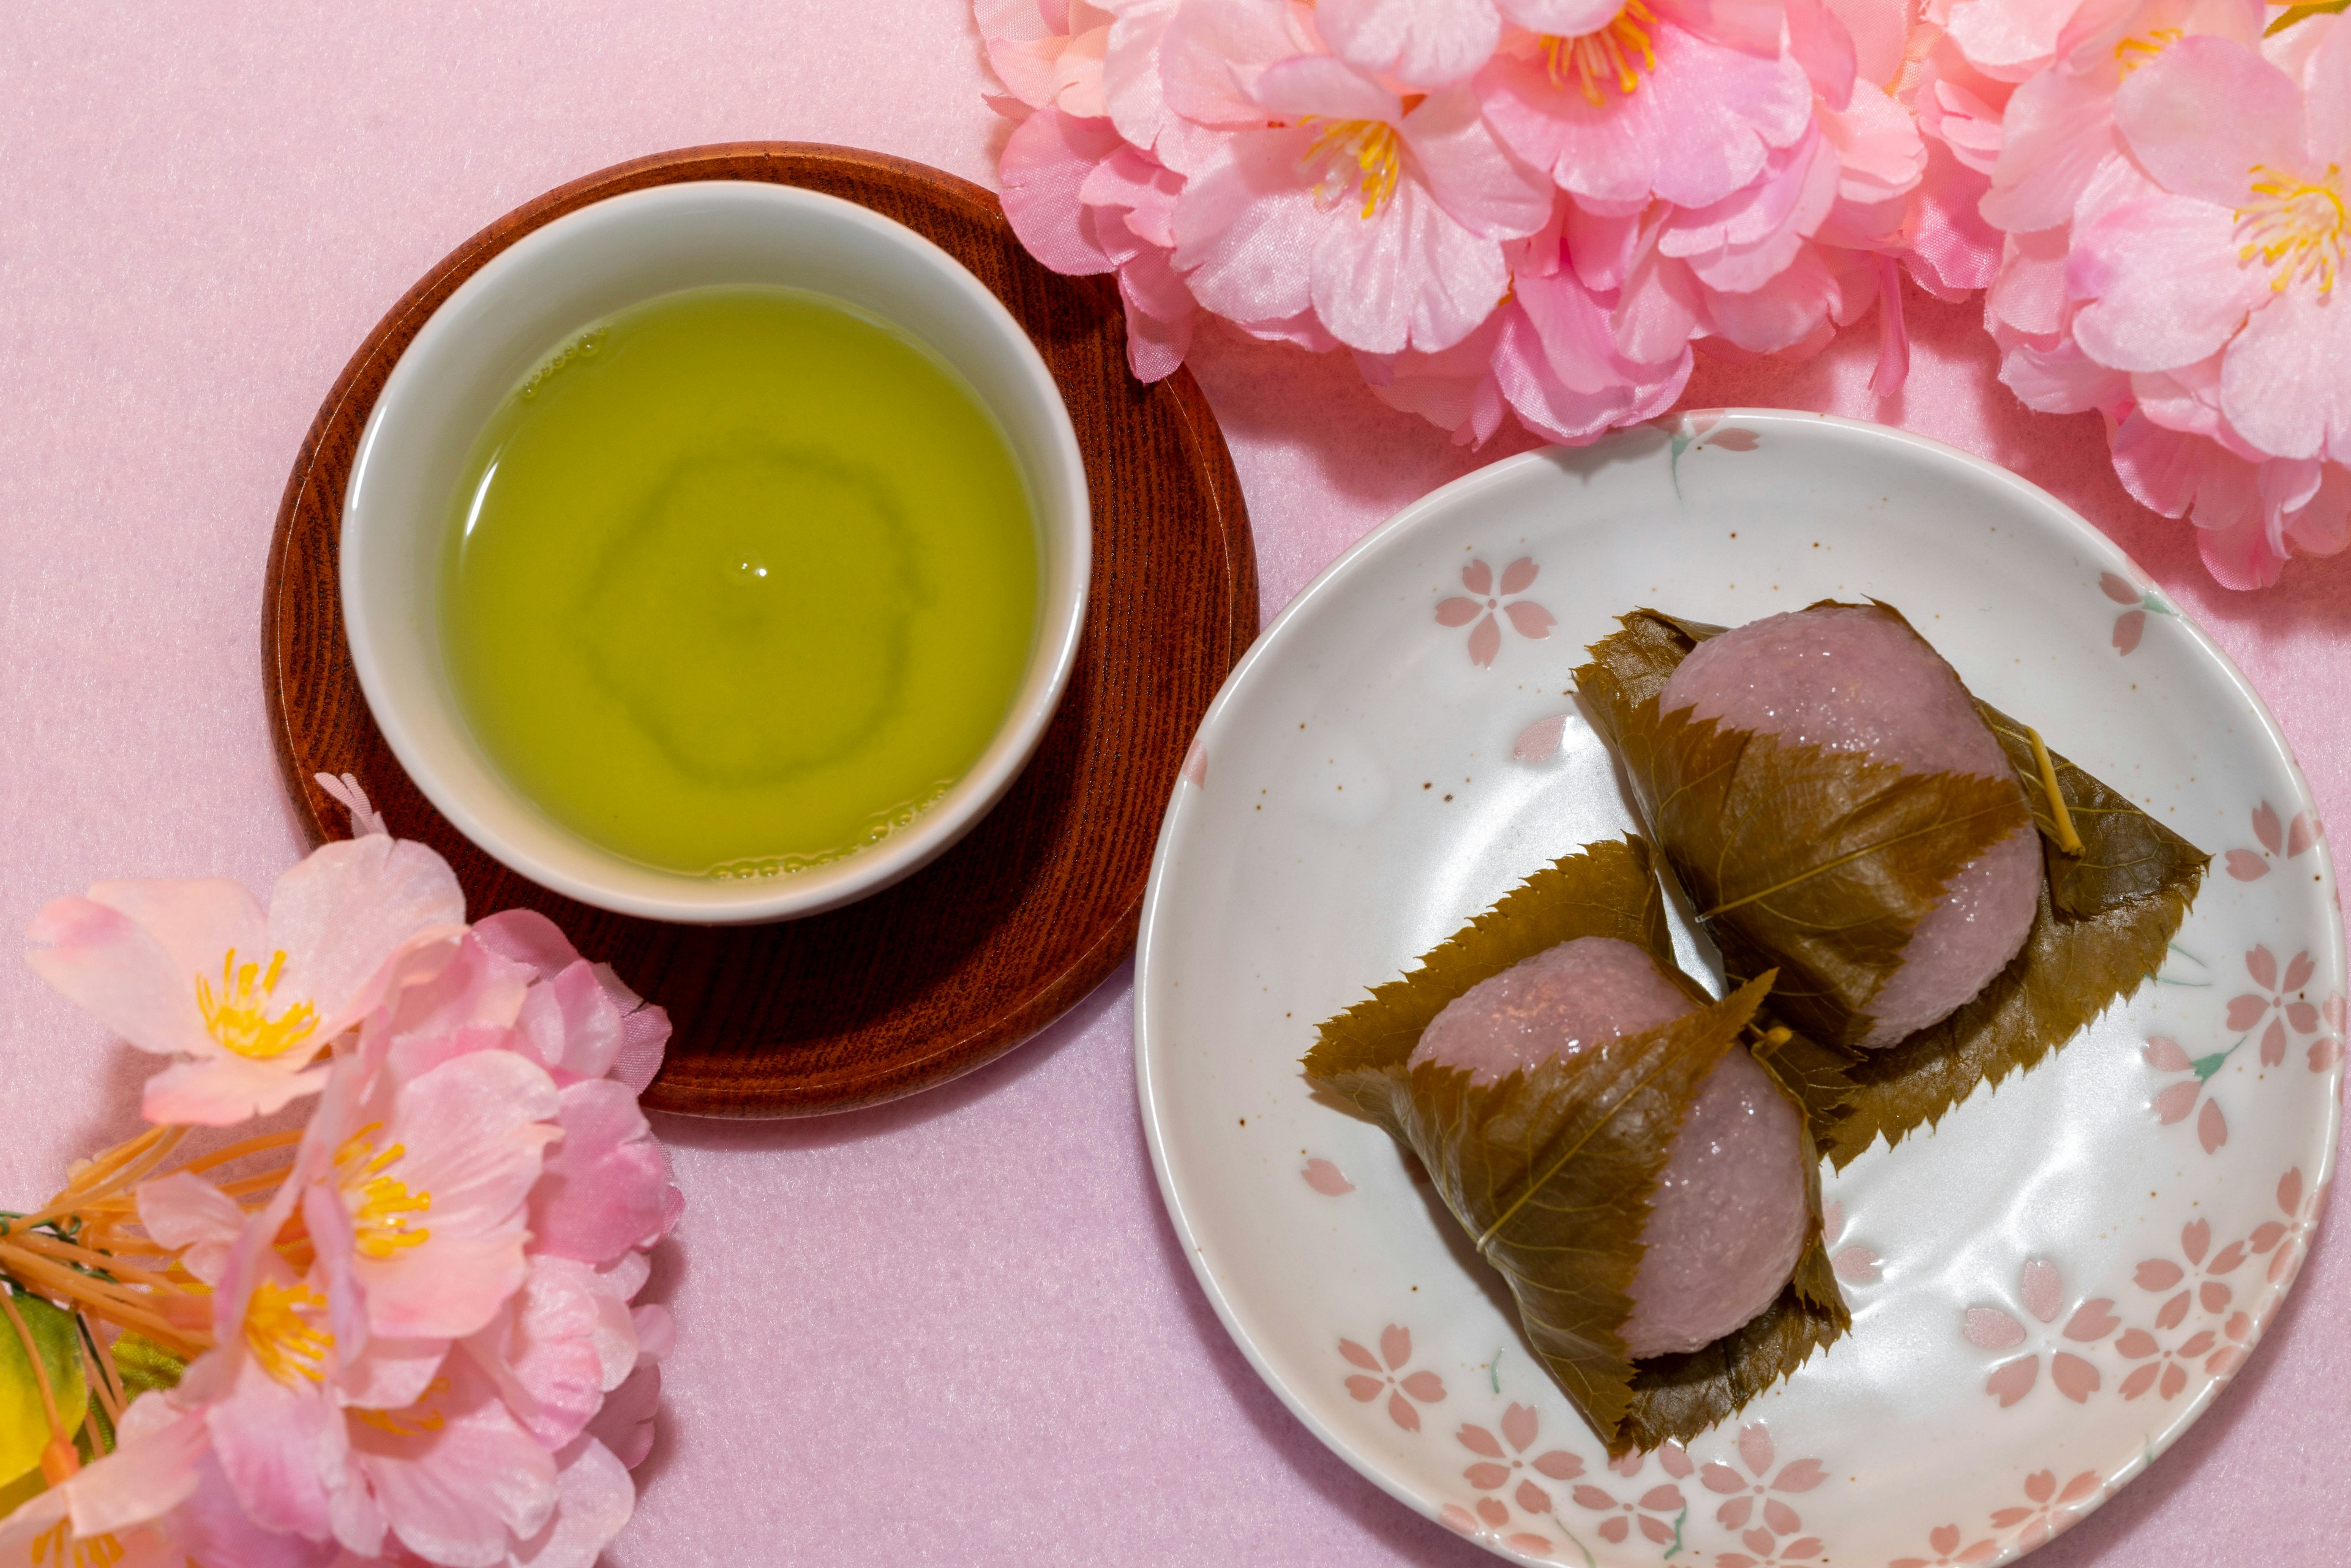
(2328, 1049)
(2287, 842)
(2199, 1284)
(1526, 617)
(2279, 1000)
(2173, 1104)
(1699, 428)
(1752, 1508)
(1657, 1512)
(2286, 1243)
(1943, 1540)
(2131, 625)
(1498, 1466)
(1385, 1373)
(1488, 1525)
(2040, 1289)
(1855, 1263)
(2049, 1511)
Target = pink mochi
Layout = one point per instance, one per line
(1728, 1218)
(1849, 678)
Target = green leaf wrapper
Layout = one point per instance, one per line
(2106, 914)
(1550, 1170)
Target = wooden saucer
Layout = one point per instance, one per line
(1009, 929)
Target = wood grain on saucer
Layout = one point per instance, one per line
(999, 936)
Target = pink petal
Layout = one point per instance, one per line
(2204, 113)
(2128, 629)
(2246, 1012)
(627, 1423)
(2274, 1044)
(607, 1181)
(2265, 827)
(2297, 975)
(2323, 1053)
(2092, 1321)
(2261, 964)
(1531, 1497)
(2303, 834)
(1674, 1459)
(1781, 1518)
(2041, 1486)
(1531, 618)
(1559, 1466)
(2118, 589)
(2175, 1378)
(2196, 1238)
(1758, 1540)
(1519, 1424)
(1614, 1530)
(1802, 1476)
(1755, 1449)
(2302, 1016)
(1424, 1387)
(1478, 578)
(1519, 575)
(2041, 1288)
(1664, 1500)
(1485, 641)
(1479, 1440)
(1856, 1266)
(1944, 1539)
(1732, 1515)
(2289, 1191)
(2014, 1380)
(1655, 1529)
(2247, 866)
(1520, 1541)
(1427, 43)
(1457, 1518)
(1486, 1478)
(1540, 741)
(1736, 441)
(2211, 1127)
(2162, 283)
(1493, 1510)
(2137, 1343)
(1990, 1328)
(2076, 1379)
(1718, 1477)
(1325, 1177)
(1396, 1345)
(1359, 1355)
(1364, 1389)
(1401, 1412)
(1801, 1549)
(2172, 1105)
(1457, 611)
(1593, 1497)
(2157, 1274)
(2166, 1056)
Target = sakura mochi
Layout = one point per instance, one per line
(1854, 678)
(1728, 1218)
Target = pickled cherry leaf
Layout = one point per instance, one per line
(1549, 1170)
(2105, 918)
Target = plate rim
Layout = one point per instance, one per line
(2104, 552)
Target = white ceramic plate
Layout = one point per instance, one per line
(2047, 1288)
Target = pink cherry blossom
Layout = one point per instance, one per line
(109, 1512)
(2279, 1000)
(1757, 1499)
(2042, 1292)
(1945, 1542)
(1380, 218)
(245, 998)
(1499, 1468)
(1385, 1373)
(2049, 1511)
(1526, 617)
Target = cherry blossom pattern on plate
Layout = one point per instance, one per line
(1491, 598)
(1541, 741)
(2279, 1000)
(1944, 1541)
(2048, 1510)
(1505, 1464)
(1755, 1504)
(1701, 428)
(2285, 1244)
(1658, 1511)
(2288, 841)
(2328, 1049)
(1855, 1262)
(1326, 1179)
(2131, 625)
(1386, 1373)
(2041, 1291)
(2195, 1282)
(1489, 1524)
(2174, 1103)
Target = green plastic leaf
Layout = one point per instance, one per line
(1550, 1171)
(2106, 915)
(145, 1366)
(24, 1421)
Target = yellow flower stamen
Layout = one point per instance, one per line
(415, 1420)
(281, 1337)
(1606, 55)
(238, 1016)
(2136, 51)
(1376, 154)
(383, 1215)
(2294, 226)
(87, 1552)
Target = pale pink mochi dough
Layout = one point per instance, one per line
(1729, 1219)
(1847, 678)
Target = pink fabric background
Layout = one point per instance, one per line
(956, 1330)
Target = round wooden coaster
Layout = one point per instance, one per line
(1009, 929)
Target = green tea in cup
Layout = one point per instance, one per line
(739, 581)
